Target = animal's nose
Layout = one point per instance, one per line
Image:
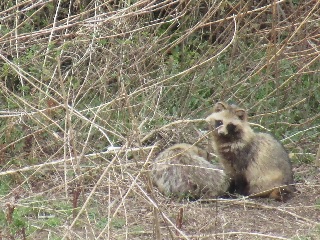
(222, 131)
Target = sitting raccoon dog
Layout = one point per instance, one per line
(183, 170)
(257, 164)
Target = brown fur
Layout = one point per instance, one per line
(256, 162)
(183, 170)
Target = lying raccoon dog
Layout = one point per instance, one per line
(257, 164)
(183, 170)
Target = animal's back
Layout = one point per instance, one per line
(271, 166)
(183, 170)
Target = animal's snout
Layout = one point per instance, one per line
(222, 130)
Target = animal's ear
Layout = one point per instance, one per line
(220, 106)
(242, 114)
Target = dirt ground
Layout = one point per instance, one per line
(240, 218)
(134, 216)
(298, 218)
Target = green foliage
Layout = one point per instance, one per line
(137, 229)
(18, 221)
(53, 222)
(127, 69)
(118, 223)
(45, 213)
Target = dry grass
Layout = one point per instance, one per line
(92, 90)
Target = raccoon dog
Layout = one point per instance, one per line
(257, 164)
(183, 170)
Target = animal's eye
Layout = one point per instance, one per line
(218, 123)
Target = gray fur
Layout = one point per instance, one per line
(256, 162)
(183, 170)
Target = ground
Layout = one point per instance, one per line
(123, 197)
(240, 218)
(298, 218)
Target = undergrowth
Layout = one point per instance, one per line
(81, 77)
